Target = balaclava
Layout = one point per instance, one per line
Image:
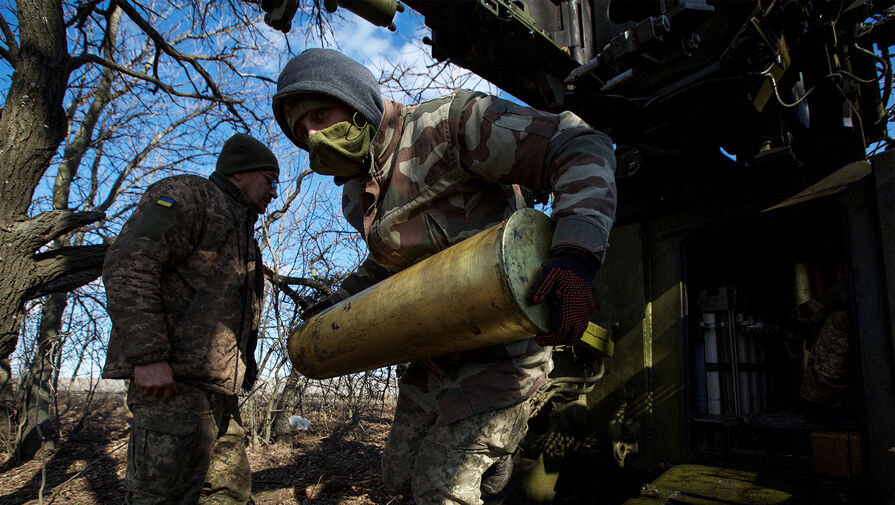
(242, 153)
(319, 75)
(341, 150)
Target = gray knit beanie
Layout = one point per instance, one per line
(242, 153)
(328, 72)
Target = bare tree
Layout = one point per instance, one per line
(125, 103)
(104, 99)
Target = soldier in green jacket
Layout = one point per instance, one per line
(184, 287)
(419, 178)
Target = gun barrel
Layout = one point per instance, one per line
(378, 12)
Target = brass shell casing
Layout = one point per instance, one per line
(468, 296)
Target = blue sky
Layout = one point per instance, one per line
(376, 47)
(379, 48)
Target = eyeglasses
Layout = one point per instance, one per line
(271, 180)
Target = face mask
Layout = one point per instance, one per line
(341, 149)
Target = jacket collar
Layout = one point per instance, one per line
(232, 191)
(386, 140)
(384, 143)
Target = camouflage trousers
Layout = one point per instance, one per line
(827, 377)
(186, 449)
(442, 464)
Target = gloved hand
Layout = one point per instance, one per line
(315, 309)
(566, 282)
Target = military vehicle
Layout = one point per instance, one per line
(746, 192)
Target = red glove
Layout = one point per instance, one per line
(566, 282)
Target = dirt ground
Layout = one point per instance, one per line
(331, 463)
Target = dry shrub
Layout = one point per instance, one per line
(334, 405)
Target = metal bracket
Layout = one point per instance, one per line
(279, 17)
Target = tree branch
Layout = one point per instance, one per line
(92, 58)
(12, 53)
(300, 281)
(168, 49)
(291, 293)
(287, 202)
(283, 283)
(139, 157)
(8, 57)
(82, 12)
(45, 227)
(76, 149)
(243, 75)
(66, 269)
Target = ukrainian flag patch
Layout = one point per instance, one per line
(156, 219)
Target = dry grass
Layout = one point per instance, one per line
(334, 462)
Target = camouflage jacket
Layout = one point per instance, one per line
(184, 284)
(828, 377)
(446, 169)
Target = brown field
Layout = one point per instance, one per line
(334, 462)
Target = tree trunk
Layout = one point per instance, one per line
(40, 429)
(7, 401)
(11, 300)
(32, 126)
(285, 404)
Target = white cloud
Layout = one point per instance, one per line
(382, 50)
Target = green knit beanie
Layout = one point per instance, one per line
(242, 153)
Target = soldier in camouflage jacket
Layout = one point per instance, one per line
(420, 178)
(184, 285)
(828, 385)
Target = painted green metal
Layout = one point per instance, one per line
(884, 177)
(598, 339)
(665, 409)
(708, 485)
(622, 303)
(870, 207)
(519, 11)
(377, 12)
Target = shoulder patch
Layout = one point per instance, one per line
(164, 201)
(157, 219)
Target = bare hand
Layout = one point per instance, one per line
(156, 379)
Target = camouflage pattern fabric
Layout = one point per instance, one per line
(830, 299)
(186, 449)
(443, 463)
(451, 167)
(441, 171)
(827, 376)
(184, 284)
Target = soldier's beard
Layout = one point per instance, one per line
(341, 150)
